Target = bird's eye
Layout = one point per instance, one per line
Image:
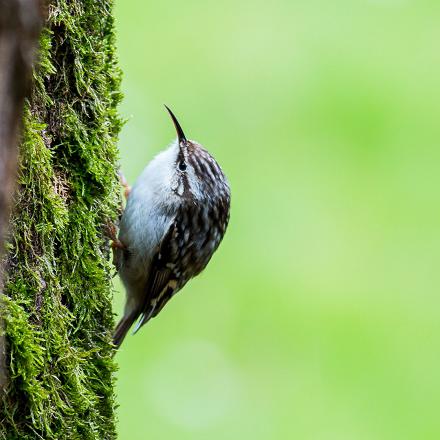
(182, 166)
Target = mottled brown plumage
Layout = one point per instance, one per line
(175, 218)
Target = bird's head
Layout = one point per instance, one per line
(196, 173)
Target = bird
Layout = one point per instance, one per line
(175, 217)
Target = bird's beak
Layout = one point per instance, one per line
(180, 133)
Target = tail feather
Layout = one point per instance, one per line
(145, 317)
(122, 328)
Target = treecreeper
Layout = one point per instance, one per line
(174, 220)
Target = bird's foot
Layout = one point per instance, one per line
(125, 185)
(111, 232)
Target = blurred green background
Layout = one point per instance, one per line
(318, 318)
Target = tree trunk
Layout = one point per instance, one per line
(20, 23)
(57, 282)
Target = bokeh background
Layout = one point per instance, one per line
(318, 318)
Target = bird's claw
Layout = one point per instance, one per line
(125, 185)
(111, 232)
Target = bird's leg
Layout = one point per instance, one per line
(117, 246)
(110, 229)
(126, 186)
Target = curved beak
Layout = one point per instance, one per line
(180, 133)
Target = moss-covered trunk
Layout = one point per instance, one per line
(57, 283)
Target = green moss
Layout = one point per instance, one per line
(58, 292)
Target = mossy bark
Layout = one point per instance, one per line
(57, 303)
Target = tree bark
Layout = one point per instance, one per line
(20, 22)
(57, 278)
